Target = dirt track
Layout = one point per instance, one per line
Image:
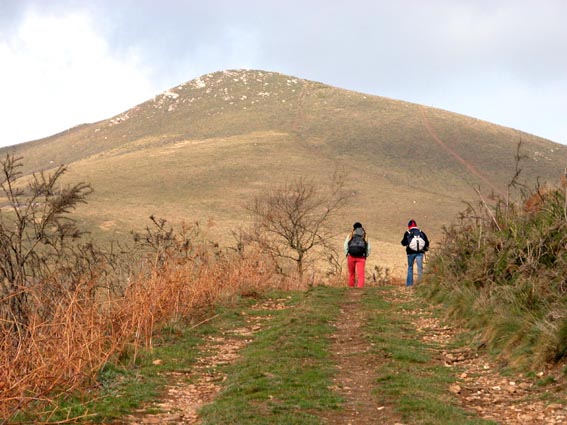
(480, 388)
(357, 365)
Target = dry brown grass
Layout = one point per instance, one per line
(62, 353)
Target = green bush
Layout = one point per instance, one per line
(502, 270)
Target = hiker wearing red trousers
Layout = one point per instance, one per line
(357, 248)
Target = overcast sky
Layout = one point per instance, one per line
(68, 62)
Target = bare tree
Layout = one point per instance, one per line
(34, 231)
(164, 241)
(292, 221)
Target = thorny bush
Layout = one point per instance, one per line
(504, 269)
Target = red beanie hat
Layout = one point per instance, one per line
(411, 224)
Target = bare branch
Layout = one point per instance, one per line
(291, 221)
(34, 231)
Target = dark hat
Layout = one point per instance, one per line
(356, 225)
(412, 223)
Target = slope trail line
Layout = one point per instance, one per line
(471, 168)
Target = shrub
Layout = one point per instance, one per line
(503, 269)
(67, 307)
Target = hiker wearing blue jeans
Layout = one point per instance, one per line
(416, 244)
(418, 257)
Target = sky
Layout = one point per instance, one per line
(69, 62)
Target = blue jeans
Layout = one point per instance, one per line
(411, 259)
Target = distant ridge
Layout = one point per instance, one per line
(203, 149)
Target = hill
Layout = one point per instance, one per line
(204, 149)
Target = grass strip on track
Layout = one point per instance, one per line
(284, 375)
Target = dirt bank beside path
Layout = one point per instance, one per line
(481, 387)
(357, 365)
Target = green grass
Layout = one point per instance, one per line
(285, 373)
(410, 377)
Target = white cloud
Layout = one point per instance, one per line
(57, 72)
(500, 61)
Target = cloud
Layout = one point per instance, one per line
(59, 72)
(500, 61)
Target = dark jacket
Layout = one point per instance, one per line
(406, 239)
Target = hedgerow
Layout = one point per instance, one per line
(502, 271)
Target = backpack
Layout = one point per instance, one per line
(357, 243)
(416, 242)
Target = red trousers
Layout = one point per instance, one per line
(356, 266)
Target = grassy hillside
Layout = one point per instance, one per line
(204, 149)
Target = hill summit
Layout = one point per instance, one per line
(203, 149)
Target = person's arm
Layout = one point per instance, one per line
(405, 239)
(368, 248)
(345, 245)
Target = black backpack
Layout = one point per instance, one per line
(357, 243)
